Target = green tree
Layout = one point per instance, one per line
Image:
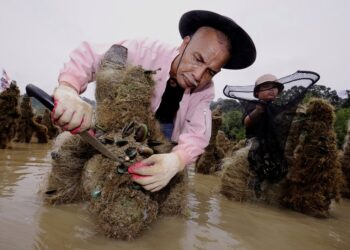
(346, 101)
(341, 123)
(232, 125)
(326, 93)
(226, 105)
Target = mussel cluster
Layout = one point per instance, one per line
(314, 176)
(122, 207)
(8, 114)
(126, 125)
(28, 125)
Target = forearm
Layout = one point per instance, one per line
(254, 117)
(81, 68)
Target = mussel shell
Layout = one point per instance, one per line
(50, 191)
(143, 150)
(131, 152)
(153, 143)
(141, 133)
(122, 169)
(128, 129)
(135, 186)
(96, 193)
(55, 155)
(121, 143)
(100, 128)
(108, 140)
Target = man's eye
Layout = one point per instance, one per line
(197, 57)
(212, 73)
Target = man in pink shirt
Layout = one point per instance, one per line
(183, 87)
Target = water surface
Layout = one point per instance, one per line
(213, 223)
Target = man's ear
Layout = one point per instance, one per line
(185, 41)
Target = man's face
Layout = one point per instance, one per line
(268, 92)
(203, 57)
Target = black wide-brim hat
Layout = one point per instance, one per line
(242, 47)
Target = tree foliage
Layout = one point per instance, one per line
(233, 110)
(341, 123)
(326, 93)
(232, 125)
(346, 102)
(227, 105)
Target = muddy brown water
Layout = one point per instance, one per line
(213, 222)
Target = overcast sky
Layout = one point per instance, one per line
(37, 35)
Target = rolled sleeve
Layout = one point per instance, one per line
(82, 65)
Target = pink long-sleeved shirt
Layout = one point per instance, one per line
(192, 125)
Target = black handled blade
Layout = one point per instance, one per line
(47, 101)
(40, 95)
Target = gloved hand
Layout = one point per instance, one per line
(258, 111)
(155, 172)
(70, 111)
(255, 116)
(260, 107)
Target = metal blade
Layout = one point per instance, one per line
(98, 145)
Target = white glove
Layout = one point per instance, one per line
(155, 172)
(70, 111)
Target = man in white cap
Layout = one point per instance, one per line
(265, 154)
(266, 89)
(183, 87)
(269, 113)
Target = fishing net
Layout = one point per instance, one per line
(269, 134)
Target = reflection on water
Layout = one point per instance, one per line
(213, 222)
